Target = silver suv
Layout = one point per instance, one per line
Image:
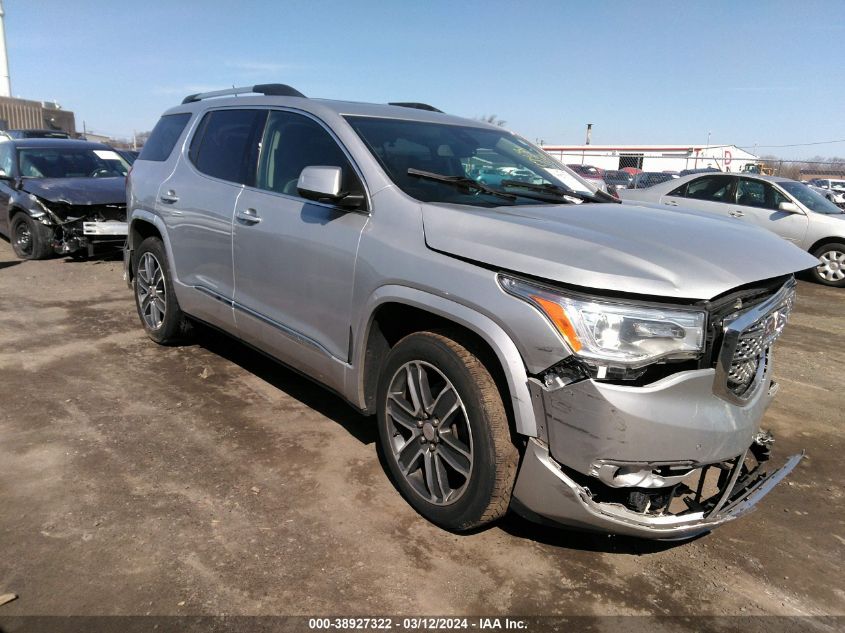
(524, 341)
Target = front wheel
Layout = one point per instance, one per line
(155, 300)
(831, 268)
(444, 431)
(30, 239)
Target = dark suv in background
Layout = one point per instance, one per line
(61, 196)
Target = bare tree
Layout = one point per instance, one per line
(794, 168)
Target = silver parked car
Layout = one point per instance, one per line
(523, 344)
(786, 207)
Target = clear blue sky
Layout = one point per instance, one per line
(642, 72)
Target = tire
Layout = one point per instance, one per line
(831, 270)
(30, 239)
(457, 469)
(158, 309)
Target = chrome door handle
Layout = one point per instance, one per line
(671, 203)
(169, 198)
(736, 214)
(248, 216)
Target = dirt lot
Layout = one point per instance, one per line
(138, 479)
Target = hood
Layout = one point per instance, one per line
(78, 190)
(619, 247)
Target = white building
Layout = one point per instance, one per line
(654, 157)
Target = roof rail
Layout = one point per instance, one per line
(275, 90)
(416, 106)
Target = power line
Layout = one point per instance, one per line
(792, 145)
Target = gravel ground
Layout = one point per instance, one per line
(139, 479)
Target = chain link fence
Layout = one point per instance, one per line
(716, 158)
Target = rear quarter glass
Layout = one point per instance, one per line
(164, 136)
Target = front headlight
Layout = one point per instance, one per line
(612, 333)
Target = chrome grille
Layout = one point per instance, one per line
(749, 355)
(748, 338)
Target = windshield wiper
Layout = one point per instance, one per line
(461, 182)
(556, 190)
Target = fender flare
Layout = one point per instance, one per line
(498, 340)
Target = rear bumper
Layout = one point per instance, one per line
(544, 489)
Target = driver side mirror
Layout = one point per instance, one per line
(789, 207)
(322, 184)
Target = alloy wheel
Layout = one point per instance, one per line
(152, 292)
(431, 439)
(832, 265)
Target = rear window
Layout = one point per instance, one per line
(164, 136)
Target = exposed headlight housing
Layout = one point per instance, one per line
(615, 334)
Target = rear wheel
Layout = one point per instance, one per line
(157, 306)
(444, 431)
(831, 268)
(30, 239)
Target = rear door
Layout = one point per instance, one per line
(757, 203)
(197, 202)
(710, 193)
(294, 259)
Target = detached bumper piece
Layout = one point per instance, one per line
(105, 228)
(707, 496)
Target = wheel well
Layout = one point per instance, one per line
(13, 211)
(138, 232)
(826, 240)
(141, 230)
(391, 322)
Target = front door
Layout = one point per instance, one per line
(294, 259)
(757, 203)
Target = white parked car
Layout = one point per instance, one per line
(833, 190)
(787, 207)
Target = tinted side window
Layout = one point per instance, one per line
(293, 142)
(225, 145)
(164, 136)
(754, 193)
(680, 191)
(713, 188)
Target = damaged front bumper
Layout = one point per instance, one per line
(668, 460)
(543, 489)
(75, 227)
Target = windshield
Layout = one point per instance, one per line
(70, 162)
(809, 198)
(489, 157)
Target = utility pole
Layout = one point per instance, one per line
(5, 84)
